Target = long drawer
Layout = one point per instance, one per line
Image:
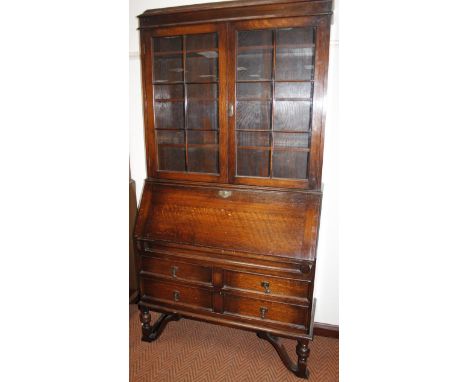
(175, 269)
(176, 293)
(266, 311)
(266, 285)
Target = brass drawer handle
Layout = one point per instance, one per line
(224, 194)
(266, 285)
(176, 295)
(263, 312)
(174, 270)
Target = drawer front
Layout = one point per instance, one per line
(266, 311)
(177, 294)
(266, 285)
(176, 269)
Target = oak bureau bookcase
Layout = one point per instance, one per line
(234, 115)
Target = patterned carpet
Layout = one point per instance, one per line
(192, 351)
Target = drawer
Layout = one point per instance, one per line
(267, 285)
(176, 269)
(267, 311)
(175, 293)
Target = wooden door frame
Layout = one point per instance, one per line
(321, 26)
(148, 101)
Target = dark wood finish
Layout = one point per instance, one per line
(175, 270)
(226, 259)
(302, 350)
(233, 10)
(326, 330)
(133, 281)
(172, 152)
(150, 332)
(261, 309)
(134, 296)
(173, 293)
(298, 149)
(272, 222)
(228, 222)
(266, 285)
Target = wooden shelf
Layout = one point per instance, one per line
(276, 99)
(177, 52)
(267, 148)
(274, 148)
(293, 99)
(169, 99)
(286, 46)
(171, 129)
(276, 131)
(272, 80)
(284, 148)
(252, 99)
(183, 99)
(202, 145)
(162, 82)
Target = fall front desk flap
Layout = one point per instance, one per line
(277, 223)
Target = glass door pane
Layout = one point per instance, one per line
(274, 89)
(254, 101)
(185, 88)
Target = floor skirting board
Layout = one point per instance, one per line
(326, 330)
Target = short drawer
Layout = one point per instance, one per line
(176, 269)
(175, 293)
(267, 285)
(266, 310)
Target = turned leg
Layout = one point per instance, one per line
(150, 332)
(303, 351)
(145, 319)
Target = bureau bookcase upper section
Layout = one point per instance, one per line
(234, 92)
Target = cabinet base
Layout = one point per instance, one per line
(151, 333)
(302, 350)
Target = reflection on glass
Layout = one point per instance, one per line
(253, 162)
(168, 68)
(169, 115)
(253, 115)
(171, 158)
(248, 138)
(292, 115)
(186, 102)
(254, 65)
(203, 159)
(167, 44)
(201, 68)
(290, 164)
(274, 64)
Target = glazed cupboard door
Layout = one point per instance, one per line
(274, 102)
(185, 91)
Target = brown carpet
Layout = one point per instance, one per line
(194, 351)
